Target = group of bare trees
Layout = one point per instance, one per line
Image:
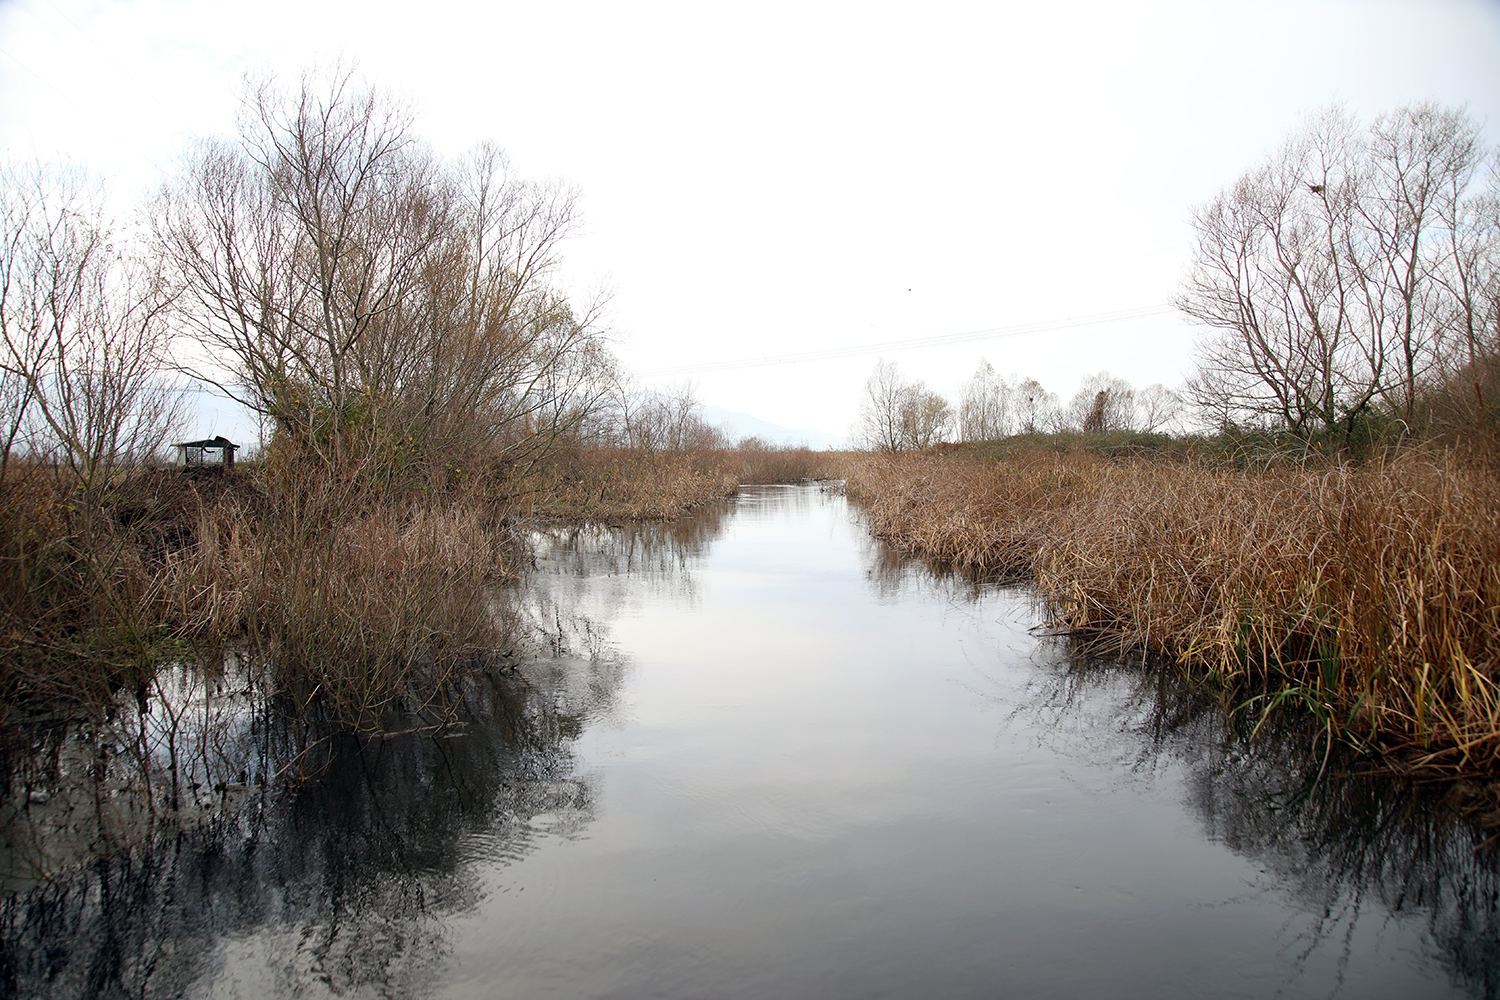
(84, 331)
(1352, 272)
(375, 301)
(896, 414)
(379, 306)
(654, 420)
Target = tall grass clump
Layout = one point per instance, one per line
(341, 602)
(1369, 595)
(755, 461)
(609, 484)
(348, 605)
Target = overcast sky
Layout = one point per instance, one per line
(768, 180)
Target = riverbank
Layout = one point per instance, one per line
(346, 600)
(1368, 596)
(758, 721)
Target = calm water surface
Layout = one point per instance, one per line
(765, 757)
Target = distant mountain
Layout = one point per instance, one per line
(743, 425)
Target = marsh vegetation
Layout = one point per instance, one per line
(1328, 541)
(934, 776)
(217, 654)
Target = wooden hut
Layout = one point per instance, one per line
(212, 453)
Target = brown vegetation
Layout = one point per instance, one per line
(346, 598)
(1369, 595)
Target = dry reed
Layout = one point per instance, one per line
(1369, 595)
(346, 597)
(621, 484)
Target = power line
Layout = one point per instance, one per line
(941, 340)
(84, 111)
(90, 39)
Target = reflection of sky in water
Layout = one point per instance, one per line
(763, 756)
(827, 774)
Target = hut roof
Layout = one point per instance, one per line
(213, 442)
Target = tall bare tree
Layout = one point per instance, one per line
(1158, 409)
(1333, 277)
(84, 343)
(370, 299)
(984, 411)
(880, 408)
(1422, 160)
(1036, 409)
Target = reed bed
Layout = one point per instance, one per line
(622, 485)
(606, 484)
(344, 602)
(1369, 596)
(763, 464)
(351, 615)
(349, 600)
(345, 596)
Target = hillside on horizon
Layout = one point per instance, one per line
(742, 425)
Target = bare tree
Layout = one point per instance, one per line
(1158, 409)
(373, 301)
(1102, 403)
(84, 341)
(1036, 409)
(984, 412)
(1270, 280)
(1333, 277)
(880, 408)
(1422, 159)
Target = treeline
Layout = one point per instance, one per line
(1353, 276)
(898, 414)
(1348, 290)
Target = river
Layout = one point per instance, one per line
(761, 755)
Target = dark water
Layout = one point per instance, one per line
(765, 757)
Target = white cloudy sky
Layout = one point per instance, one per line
(772, 179)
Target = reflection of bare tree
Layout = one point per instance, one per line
(341, 883)
(214, 836)
(1346, 843)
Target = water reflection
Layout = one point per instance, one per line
(215, 845)
(752, 758)
(346, 882)
(1350, 847)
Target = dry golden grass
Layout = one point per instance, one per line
(352, 613)
(752, 464)
(604, 484)
(346, 597)
(620, 484)
(1369, 595)
(343, 602)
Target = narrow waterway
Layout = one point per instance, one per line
(766, 757)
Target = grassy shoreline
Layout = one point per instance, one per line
(344, 599)
(1368, 596)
